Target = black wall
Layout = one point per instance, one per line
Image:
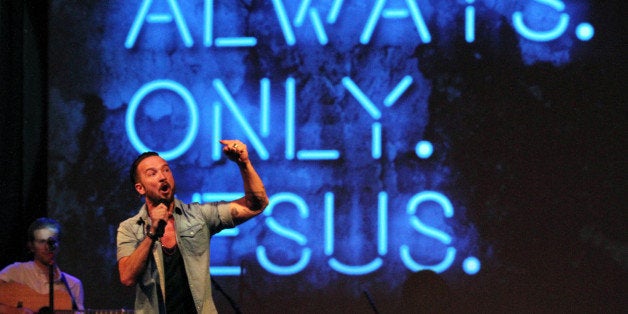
(22, 122)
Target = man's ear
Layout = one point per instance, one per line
(140, 188)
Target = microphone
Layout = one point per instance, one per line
(52, 244)
(161, 225)
(161, 228)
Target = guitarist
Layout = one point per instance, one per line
(43, 243)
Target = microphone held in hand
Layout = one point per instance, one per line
(161, 225)
(161, 228)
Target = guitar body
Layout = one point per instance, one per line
(14, 294)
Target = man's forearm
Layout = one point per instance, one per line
(132, 266)
(254, 190)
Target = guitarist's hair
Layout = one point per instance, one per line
(41, 223)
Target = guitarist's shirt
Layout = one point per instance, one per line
(28, 273)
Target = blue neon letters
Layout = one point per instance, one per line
(306, 11)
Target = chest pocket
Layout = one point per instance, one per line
(195, 239)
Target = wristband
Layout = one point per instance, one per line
(152, 236)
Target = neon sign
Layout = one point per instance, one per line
(424, 150)
(540, 13)
(424, 214)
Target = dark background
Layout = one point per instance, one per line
(543, 151)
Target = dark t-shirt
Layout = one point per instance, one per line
(178, 295)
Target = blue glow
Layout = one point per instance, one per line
(301, 13)
(382, 238)
(329, 226)
(355, 270)
(378, 10)
(294, 199)
(318, 27)
(542, 36)
(419, 22)
(407, 259)
(283, 270)
(208, 25)
(429, 231)
(181, 25)
(236, 41)
(371, 44)
(471, 265)
(469, 28)
(290, 118)
(216, 270)
(217, 131)
(221, 41)
(284, 22)
(300, 239)
(394, 95)
(332, 16)
(361, 98)
(137, 24)
(159, 18)
(264, 106)
(382, 234)
(426, 196)
(233, 107)
(424, 149)
(585, 31)
(318, 155)
(441, 200)
(228, 232)
(367, 33)
(285, 232)
(189, 102)
(376, 141)
(337, 123)
(554, 4)
(215, 197)
(395, 13)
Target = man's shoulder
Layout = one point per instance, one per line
(17, 271)
(137, 218)
(180, 205)
(197, 205)
(206, 211)
(19, 265)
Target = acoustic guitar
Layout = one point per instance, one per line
(18, 295)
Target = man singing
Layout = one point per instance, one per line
(164, 249)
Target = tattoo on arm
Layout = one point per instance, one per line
(256, 200)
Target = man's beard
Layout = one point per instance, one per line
(158, 199)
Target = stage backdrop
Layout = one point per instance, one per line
(387, 133)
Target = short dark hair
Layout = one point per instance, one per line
(136, 162)
(41, 223)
